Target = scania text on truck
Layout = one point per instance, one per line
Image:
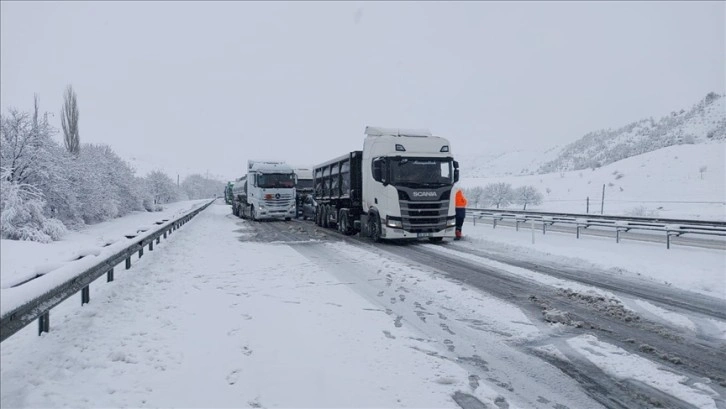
(266, 192)
(398, 187)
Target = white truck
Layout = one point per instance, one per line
(400, 186)
(266, 192)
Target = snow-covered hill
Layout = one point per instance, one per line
(704, 123)
(667, 182)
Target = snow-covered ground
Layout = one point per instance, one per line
(699, 270)
(215, 318)
(24, 259)
(667, 182)
(209, 321)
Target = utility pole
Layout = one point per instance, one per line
(602, 203)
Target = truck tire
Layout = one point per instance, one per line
(318, 211)
(253, 213)
(326, 216)
(332, 214)
(374, 228)
(344, 223)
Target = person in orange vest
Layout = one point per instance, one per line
(460, 202)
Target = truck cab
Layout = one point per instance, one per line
(408, 180)
(268, 191)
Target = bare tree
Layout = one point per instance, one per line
(69, 121)
(528, 195)
(499, 194)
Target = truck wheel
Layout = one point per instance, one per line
(318, 210)
(374, 228)
(253, 213)
(326, 216)
(333, 224)
(344, 223)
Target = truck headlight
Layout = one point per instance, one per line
(396, 224)
(451, 223)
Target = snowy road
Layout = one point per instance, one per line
(232, 313)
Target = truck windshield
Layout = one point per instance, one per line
(304, 184)
(420, 172)
(278, 180)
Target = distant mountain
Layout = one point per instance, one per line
(703, 123)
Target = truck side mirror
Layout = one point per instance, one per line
(456, 171)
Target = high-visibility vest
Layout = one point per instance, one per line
(460, 199)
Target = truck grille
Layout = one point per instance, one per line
(280, 200)
(421, 217)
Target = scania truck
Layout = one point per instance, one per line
(267, 191)
(400, 186)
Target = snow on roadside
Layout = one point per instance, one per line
(621, 364)
(532, 275)
(697, 270)
(210, 321)
(670, 316)
(22, 260)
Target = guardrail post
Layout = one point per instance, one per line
(516, 225)
(85, 295)
(473, 219)
(617, 235)
(668, 239)
(44, 323)
(158, 239)
(128, 263)
(578, 232)
(109, 276)
(532, 224)
(164, 233)
(494, 223)
(544, 227)
(151, 245)
(141, 251)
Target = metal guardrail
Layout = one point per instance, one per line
(671, 227)
(39, 307)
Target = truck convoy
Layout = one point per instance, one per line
(303, 187)
(398, 187)
(266, 191)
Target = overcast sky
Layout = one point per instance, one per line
(197, 87)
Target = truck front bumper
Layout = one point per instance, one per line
(391, 233)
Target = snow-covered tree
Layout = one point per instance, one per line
(161, 187)
(498, 194)
(198, 187)
(475, 196)
(21, 212)
(525, 195)
(20, 142)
